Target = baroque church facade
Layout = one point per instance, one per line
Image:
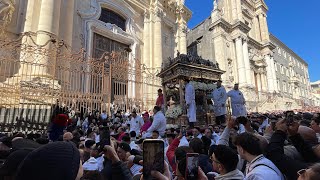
(149, 30)
(236, 35)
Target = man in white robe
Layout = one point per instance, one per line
(219, 97)
(190, 103)
(136, 122)
(159, 123)
(237, 102)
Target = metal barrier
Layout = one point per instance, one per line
(38, 71)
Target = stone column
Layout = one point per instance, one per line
(49, 22)
(29, 16)
(146, 56)
(66, 34)
(25, 55)
(234, 10)
(146, 41)
(274, 76)
(183, 38)
(239, 9)
(257, 29)
(247, 61)
(240, 62)
(259, 81)
(266, 30)
(269, 73)
(157, 41)
(262, 28)
(263, 82)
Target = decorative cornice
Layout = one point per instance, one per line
(242, 26)
(221, 23)
(117, 6)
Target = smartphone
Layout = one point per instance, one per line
(153, 157)
(192, 166)
(289, 117)
(104, 137)
(273, 124)
(184, 131)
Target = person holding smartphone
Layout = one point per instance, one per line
(225, 161)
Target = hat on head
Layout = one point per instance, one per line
(236, 83)
(125, 138)
(125, 147)
(13, 161)
(89, 143)
(140, 141)
(219, 80)
(57, 160)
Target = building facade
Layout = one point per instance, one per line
(147, 30)
(236, 36)
(315, 86)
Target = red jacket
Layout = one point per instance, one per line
(61, 120)
(170, 153)
(160, 101)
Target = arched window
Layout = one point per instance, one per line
(111, 17)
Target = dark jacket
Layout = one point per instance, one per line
(304, 148)
(204, 163)
(120, 171)
(275, 152)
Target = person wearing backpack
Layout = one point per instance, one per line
(258, 167)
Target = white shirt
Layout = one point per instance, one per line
(136, 123)
(91, 165)
(133, 145)
(262, 168)
(190, 94)
(263, 125)
(236, 97)
(97, 138)
(219, 97)
(159, 124)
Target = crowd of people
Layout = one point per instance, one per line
(252, 146)
(259, 146)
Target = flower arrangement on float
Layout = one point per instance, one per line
(174, 112)
(201, 86)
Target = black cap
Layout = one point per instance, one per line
(140, 141)
(125, 146)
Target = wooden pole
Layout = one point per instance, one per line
(182, 101)
(164, 97)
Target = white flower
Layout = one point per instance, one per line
(174, 112)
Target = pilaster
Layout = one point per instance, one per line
(49, 22)
(262, 27)
(246, 61)
(157, 38)
(269, 73)
(274, 76)
(257, 29)
(240, 61)
(183, 38)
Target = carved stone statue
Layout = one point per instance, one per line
(178, 53)
(6, 10)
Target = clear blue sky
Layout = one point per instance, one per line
(296, 23)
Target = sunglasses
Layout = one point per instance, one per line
(301, 172)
